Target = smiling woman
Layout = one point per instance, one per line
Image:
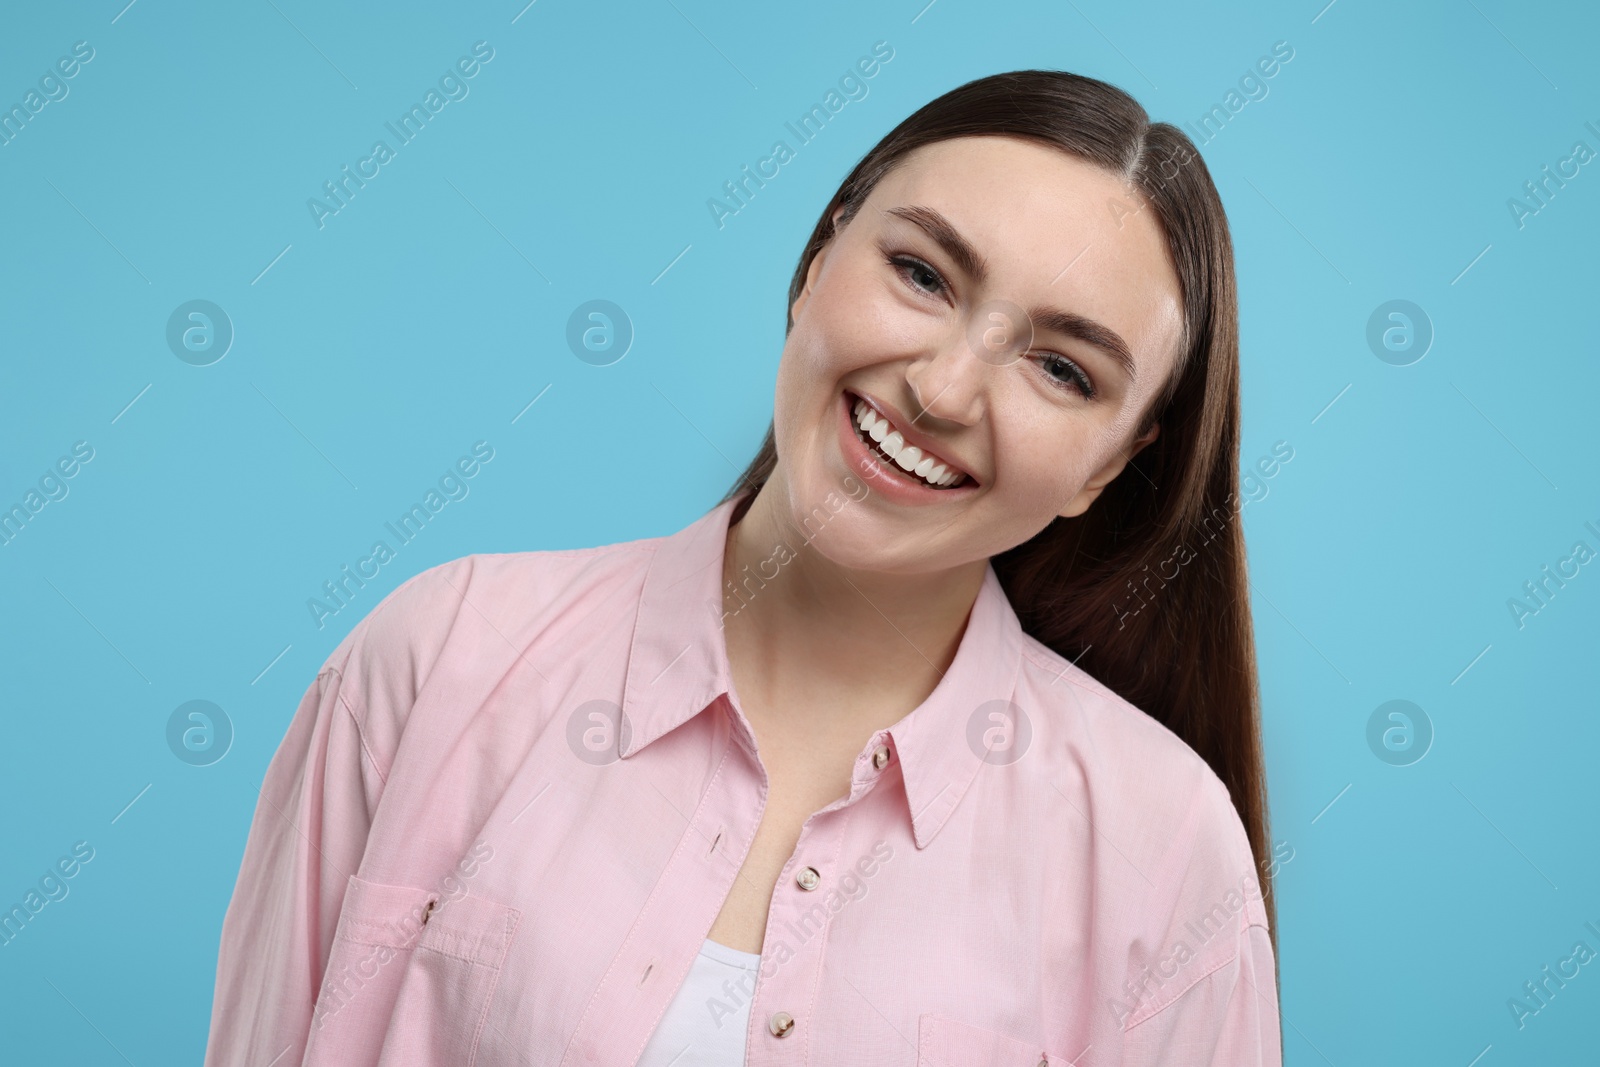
(906, 315)
(1009, 385)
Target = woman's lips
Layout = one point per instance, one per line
(894, 481)
(883, 437)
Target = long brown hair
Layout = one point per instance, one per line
(1146, 591)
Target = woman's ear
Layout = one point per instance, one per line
(1102, 478)
(816, 266)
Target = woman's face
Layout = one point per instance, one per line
(937, 342)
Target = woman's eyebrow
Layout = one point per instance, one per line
(1054, 320)
(1047, 319)
(957, 247)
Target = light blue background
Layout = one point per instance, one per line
(432, 310)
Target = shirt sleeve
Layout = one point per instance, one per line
(313, 816)
(1213, 996)
(307, 837)
(1229, 1018)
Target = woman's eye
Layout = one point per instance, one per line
(916, 272)
(1066, 374)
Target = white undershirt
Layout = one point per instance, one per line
(705, 1023)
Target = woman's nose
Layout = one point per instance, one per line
(949, 382)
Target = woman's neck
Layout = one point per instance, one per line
(852, 651)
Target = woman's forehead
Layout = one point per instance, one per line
(1030, 202)
(990, 163)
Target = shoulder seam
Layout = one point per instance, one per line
(361, 735)
(1238, 952)
(1221, 963)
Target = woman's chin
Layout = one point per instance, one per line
(838, 514)
(843, 531)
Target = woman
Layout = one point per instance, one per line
(934, 742)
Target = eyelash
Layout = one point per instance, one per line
(1079, 380)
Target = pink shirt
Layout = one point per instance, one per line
(512, 803)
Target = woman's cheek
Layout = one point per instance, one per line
(1046, 476)
(819, 353)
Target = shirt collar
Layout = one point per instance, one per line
(678, 665)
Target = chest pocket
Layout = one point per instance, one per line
(415, 966)
(946, 1042)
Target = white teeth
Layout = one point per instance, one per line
(909, 458)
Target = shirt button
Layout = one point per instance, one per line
(808, 878)
(880, 757)
(780, 1024)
